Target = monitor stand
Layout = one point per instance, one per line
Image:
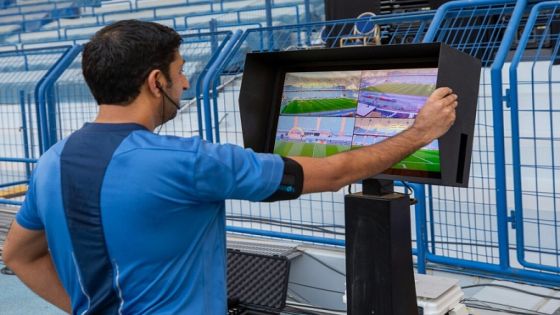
(379, 273)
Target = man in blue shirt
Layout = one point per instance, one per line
(118, 219)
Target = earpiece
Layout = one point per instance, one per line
(158, 85)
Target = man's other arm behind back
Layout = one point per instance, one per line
(336, 171)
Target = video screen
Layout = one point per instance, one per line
(323, 113)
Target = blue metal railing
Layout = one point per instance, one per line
(198, 85)
(210, 77)
(77, 106)
(44, 97)
(246, 15)
(39, 6)
(461, 251)
(20, 72)
(538, 89)
(451, 25)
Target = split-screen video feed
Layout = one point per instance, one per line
(323, 113)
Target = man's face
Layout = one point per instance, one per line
(180, 84)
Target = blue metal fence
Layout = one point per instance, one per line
(535, 140)
(469, 228)
(75, 104)
(467, 225)
(19, 133)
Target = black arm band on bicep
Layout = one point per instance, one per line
(291, 184)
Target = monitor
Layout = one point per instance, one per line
(322, 102)
(326, 112)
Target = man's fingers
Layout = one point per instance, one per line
(447, 101)
(439, 94)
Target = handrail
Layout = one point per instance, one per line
(208, 79)
(223, 27)
(461, 4)
(10, 202)
(497, 102)
(56, 5)
(18, 160)
(30, 51)
(239, 12)
(424, 15)
(516, 151)
(499, 146)
(129, 2)
(46, 138)
(289, 236)
(198, 86)
(21, 182)
(38, 109)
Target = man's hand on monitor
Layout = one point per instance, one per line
(437, 115)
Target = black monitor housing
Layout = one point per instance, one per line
(263, 87)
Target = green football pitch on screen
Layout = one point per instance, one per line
(318, 105)
(287, 148)
(421, 160)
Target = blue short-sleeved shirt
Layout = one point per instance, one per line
(160, 202)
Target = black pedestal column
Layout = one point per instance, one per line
(379, 272)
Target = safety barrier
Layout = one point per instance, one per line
(75, 104)
(19, 116)
(533, 99)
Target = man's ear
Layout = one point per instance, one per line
(154, 79)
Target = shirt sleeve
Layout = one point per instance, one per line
(28, 215)
(231, 172)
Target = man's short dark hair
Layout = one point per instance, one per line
(120, 56)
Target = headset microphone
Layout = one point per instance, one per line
(158, 85)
